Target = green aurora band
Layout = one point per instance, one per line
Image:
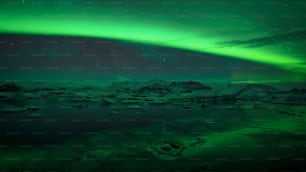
(196, 27)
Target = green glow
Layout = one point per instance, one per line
(169, 30)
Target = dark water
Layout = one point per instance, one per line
(46, 127)
(58, 123)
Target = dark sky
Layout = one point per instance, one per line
(62, 57)
(234, 40)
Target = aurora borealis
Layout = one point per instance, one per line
(152, 85)
(269, 33)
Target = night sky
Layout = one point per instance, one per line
(201, 40)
